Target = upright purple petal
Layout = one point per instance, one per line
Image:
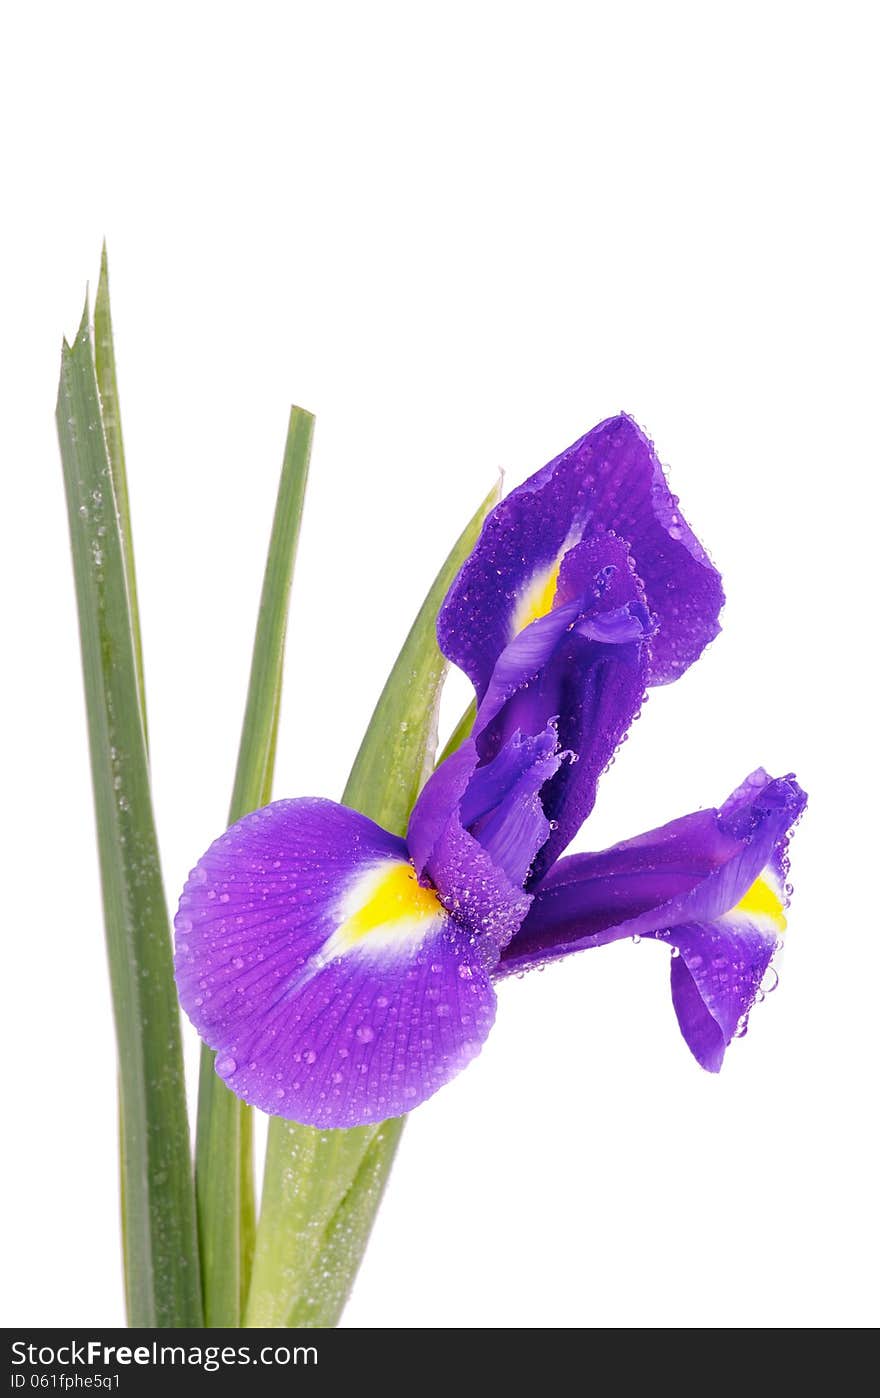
(611, 479)
(336, 990)
(583, 667)
(475, 831)
(631, 495)
(711, 885)
(502, 806)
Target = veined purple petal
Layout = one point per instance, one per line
(582, 666)
(336, 990)
(710, 884)
(475, 831)
(611, 479)
(502, 806)
(716, 978)
(439, 797)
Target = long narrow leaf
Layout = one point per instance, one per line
(306, 1259)
(224, 1150)
(108, 395)
(161, 1257)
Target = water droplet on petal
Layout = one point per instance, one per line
(225, 1066)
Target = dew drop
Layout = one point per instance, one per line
(225, 1066)
(364, 1033)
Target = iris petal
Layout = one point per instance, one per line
(475, 831)
(583, 666)
(502, 806)
(715, 980)
(709, 884)
(336, 990)
(611, 479)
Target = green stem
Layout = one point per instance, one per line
(224, 1134)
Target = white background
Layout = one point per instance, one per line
(462, 234)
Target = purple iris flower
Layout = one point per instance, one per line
(344, 974)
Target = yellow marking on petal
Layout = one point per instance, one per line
(538, 598)
(397, 895)
(762, 901)
(384, 909)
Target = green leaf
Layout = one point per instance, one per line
(328, 1282)
(108, 394)
(308, 1174)
(224, 1146)
(159, 1224)
(321, 1190)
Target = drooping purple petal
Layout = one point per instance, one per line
(716, 978)
(611, 479)
(709, 884)
(583, 666)
(336, 990)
